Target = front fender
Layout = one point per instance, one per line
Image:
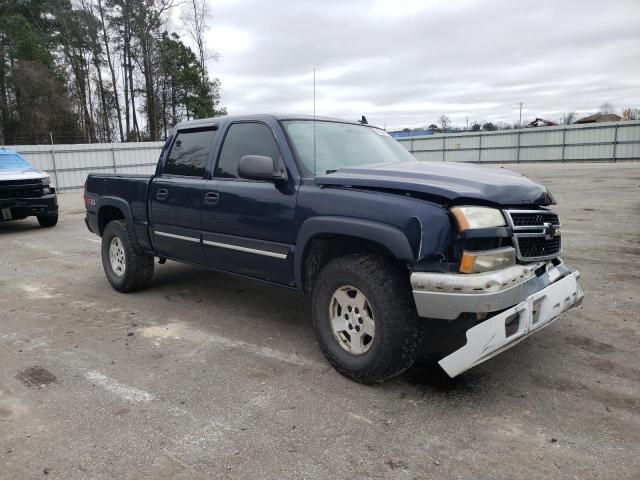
(390, 237)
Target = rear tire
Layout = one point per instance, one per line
(48, 221)
(125, 268)
(382, 286)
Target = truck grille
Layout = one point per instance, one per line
(533, 219)
(536, 234)
(20, 189)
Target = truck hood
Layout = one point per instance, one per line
(29, 174)
(451, 181)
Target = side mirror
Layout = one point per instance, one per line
(259, 167)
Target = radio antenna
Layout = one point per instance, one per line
(315, 171)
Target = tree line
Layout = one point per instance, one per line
(101, 70)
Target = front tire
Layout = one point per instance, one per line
(47, 221)
(125, 268)
(365, 318)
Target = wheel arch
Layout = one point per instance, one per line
(321, 239)
(113, 208)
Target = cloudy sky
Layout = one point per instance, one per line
(403, 63)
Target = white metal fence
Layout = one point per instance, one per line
(69, 165)
(615, 141)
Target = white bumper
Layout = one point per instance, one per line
(504, 330)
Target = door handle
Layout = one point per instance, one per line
(211, 198)
(162, 194)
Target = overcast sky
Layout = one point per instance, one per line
(403, 63)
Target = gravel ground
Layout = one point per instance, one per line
(207, 376)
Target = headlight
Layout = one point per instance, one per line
(46, 185)
(477, 217)
(487, 260)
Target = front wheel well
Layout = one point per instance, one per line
(323, 248)
(107, 214)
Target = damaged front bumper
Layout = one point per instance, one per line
(528, 297)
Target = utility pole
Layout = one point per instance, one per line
(467, 122)
(520, 121)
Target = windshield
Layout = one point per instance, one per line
(340, 145)
(11, 161)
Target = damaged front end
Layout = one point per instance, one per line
(514, 303)
(512, 291)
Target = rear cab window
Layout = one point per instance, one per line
(189, 153)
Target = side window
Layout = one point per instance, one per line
(189, 153)
(245, 139)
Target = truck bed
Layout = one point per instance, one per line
(132, 188)
(129, 190)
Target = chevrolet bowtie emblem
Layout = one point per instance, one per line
(549, 231)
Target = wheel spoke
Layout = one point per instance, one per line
(357, 344)
(343, 298)
(359, 301)
(369, 326)
(339, 324)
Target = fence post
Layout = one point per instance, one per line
(564, 135)
(113, 158)
(479, 148)
(53, 159)
(444, 142)
(615, 142)
(518, 149)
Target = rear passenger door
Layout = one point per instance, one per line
(248, 225)
(175, 196)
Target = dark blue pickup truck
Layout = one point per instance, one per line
(400, 256)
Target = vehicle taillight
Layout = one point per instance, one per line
(85, 196)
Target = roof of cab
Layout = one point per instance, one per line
(259, 117)
(7, 151)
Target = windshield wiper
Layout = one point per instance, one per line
(331, 171)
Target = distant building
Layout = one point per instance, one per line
(407, 132)
(600, 117)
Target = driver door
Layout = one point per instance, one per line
(248, 225)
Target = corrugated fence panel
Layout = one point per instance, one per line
(628, 133)
(628, 151)
(539, 154)
(454, 143)
(494, 140)
(428, 156)
(498, 155)
(552, 137)
(590, 135)
(460, 156)
(588, 152)
(591, 142)
(429, 143)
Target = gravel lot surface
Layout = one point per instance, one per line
(208, 376)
